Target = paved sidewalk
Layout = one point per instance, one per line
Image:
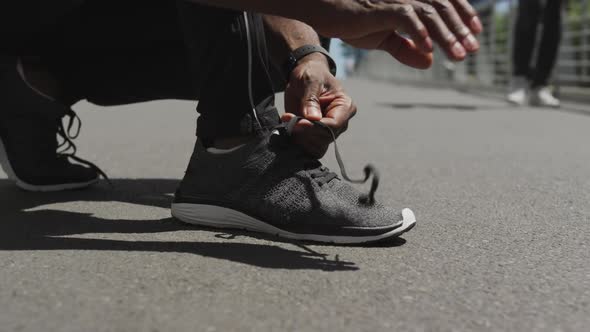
(502, 198)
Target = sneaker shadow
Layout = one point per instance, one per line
(434, 106)
(26, 223)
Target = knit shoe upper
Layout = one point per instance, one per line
(273, 181)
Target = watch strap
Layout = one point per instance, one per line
(303, 51)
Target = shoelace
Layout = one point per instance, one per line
(323, 172)
(67, 148)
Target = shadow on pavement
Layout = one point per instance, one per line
(439, 106)
(567, 107)
(26, 225)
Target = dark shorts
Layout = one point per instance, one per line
(117, 52)
(111, 51)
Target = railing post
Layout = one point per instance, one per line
(556, 76)
(584, 43)
(510, 39)
(493, 40)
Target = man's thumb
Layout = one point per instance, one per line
(311, 102)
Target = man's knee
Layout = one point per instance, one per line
(23, 21)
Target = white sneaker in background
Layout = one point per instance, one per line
(542, 96)
(518, 91)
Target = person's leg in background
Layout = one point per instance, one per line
(525, 31)
(541, 94)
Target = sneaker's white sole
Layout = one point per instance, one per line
(5, 165)
(220, 217)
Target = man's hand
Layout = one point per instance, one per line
(382, 24)
(312, 91)
(315, 94)
(450, 23)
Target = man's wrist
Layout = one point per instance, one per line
(306, 54)
(314, 57)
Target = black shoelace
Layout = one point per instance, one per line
(67, 148)
(323, 175)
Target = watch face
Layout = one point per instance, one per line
(289, 65)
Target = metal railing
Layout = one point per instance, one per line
(492, 65)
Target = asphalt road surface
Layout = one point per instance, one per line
(502, 197)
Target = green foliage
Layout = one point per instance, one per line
(501, 31)
(577, 9)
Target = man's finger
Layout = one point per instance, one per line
(301, 127)
(402, 49)
(468, 15)
(440, 32)
(449, 14)
(338, 114)
(408, 54)
(405, 51)
(330, 101)
(307, 129)
(414, 28)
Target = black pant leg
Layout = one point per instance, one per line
(549, 46)
(23, 22)
(525, 36)
(118, 52)
(223, 44)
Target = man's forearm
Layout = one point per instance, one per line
(292, 9)
(286, 35)
(376, 24)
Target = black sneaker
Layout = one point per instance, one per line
(29, 150)
(271, 186)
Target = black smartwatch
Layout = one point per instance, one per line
(301, 52)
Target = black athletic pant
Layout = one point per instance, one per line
(117, 52)
(530, 14)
